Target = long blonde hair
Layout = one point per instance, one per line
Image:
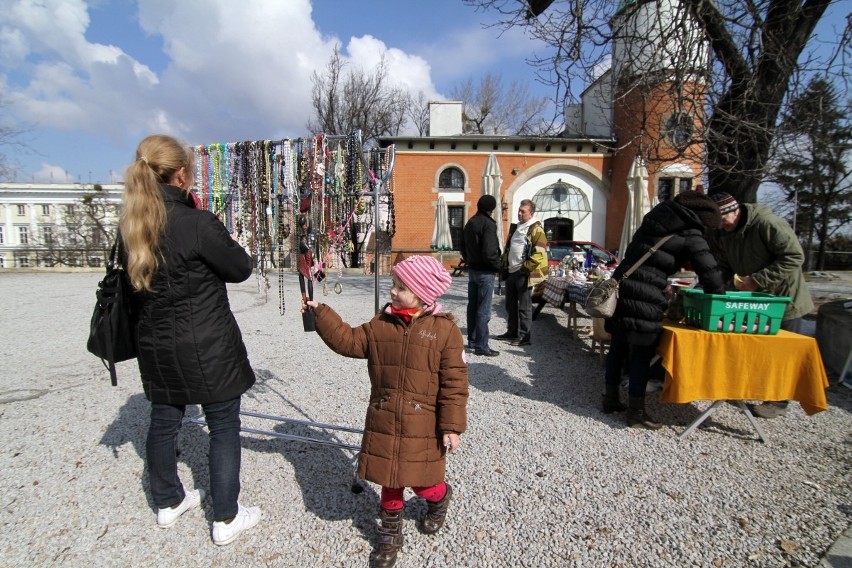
(143, 216)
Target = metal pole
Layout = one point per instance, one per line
(376, 191)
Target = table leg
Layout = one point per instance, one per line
(697, 422)
(713, 407)
(751, 419)
(572, 320)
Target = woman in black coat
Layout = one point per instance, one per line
(636, 324)
(190, 349)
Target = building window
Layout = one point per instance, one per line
(2, 261)
(2, 236)
(451, 179)
(23, 235)
(45, 209)
(22, 210)
(47, 234)
(456, 214)
(666, 187)
(22, 261)
(679, 128)
(70, 210)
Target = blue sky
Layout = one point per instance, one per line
(87, 79)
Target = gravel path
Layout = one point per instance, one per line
(542, 477)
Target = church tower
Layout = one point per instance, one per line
(659, 66)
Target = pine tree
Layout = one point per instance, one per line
(812, 165)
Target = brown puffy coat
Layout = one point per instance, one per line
(419, 391)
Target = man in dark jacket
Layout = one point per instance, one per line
(481, 252)
(759, 251)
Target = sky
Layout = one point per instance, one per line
(86, 80)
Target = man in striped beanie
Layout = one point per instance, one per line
(752, 263)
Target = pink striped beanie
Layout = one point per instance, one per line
(424, 276)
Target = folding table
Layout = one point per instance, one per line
(735, 367)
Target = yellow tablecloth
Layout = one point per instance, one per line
(703, 365)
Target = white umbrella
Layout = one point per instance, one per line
(441, 239)
(492, 179)
(638, 203)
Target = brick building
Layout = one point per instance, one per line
(655, 122)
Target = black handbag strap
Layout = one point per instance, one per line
(645, 256)
(114, 260)
(115, 252)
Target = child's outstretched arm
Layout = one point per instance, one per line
(337, 334)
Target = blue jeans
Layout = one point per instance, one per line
(223, 422)
(519, 304)
(639, 361)
(480, 291)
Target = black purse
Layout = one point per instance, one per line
(112, 335)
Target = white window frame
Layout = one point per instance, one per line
(22, 210)
(45, 210)
(23, 235)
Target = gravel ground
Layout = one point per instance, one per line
(542, 477)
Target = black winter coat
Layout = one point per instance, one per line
(190, 348)
(480, 247)
(641, 297)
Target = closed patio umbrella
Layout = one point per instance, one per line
(441, 239)
(638, 203)
(492, 179)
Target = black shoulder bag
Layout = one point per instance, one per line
(112, 335)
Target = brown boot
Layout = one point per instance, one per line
(612, 400)
(637, 417)
(390, 538)
(436, 513)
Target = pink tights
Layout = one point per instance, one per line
(392, 496)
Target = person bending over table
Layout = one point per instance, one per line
(636, 324)
(759, 251)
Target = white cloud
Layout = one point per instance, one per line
(409, 71)
(52, 174)
(235, 70)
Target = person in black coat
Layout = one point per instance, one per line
(190, 349)
(636, 324)
(481, 252)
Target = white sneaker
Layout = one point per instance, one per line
(191, 499)
(225, 533)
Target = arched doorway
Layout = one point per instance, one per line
(559, 229)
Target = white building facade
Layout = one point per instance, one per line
(57, 225)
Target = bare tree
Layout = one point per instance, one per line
(489, 108)
(10, 138)
(88, 230)
(727, 77)
(346, 100)
(418, 113)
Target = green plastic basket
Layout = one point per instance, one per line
(754, 313)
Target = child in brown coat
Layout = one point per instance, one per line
(418, 396)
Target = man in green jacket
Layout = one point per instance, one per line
(759, 252)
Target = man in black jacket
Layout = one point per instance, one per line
(481, 252)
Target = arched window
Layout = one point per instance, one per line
(451, 179)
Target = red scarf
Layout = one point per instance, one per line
(405, 314)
